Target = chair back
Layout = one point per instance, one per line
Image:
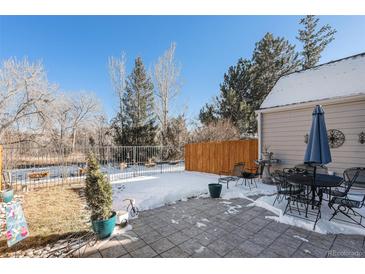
(299, 175)
(280, 179)
(355, 180)
(238, 168)
(354, 177)
(258, 169)
(319, 169)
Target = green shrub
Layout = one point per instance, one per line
(98, 191)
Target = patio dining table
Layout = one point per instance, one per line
(321, 181)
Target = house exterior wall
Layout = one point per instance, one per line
(284, 130)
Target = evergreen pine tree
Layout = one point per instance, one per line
(208, 114)
(177, 137)
(314, 41)
(246, 84)
(234, 91)
(120, 128)
(98, 191)
(272, 58)
(136, 126)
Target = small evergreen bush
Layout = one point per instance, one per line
(98, 191)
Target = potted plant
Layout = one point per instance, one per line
(7, 194)
(98, 192)
(215, 190)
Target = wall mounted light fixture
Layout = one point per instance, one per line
(362, 138)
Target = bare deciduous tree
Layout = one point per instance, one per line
(71, 111)
(25, 95)
(61, 118)
(84, 106)
(102, 133)
(167, 75)
(221, 130)
(118, 74)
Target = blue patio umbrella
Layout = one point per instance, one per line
(318, 150)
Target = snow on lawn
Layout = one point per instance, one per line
(154, 191)
(323, 226)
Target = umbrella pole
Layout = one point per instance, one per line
(314, 185)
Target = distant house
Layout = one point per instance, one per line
(285, 115)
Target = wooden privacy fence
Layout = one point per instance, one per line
(215, 157)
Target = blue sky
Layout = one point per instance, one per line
(75, 49)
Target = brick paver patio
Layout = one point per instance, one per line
(201, 228)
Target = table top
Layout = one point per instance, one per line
(268, 161)
(322, 180)
(228, 178)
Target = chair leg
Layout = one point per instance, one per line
(349, 216)
(253, 182)
(286, 208)
(361, 219)
(306, 210)
(335, 211)
(290, 207)
(276, 198)
(317, 218)
(298, 208)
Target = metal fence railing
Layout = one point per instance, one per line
(28, 167)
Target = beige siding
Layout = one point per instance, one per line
(284, 132)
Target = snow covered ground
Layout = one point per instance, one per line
(323, 226)
(154, 191)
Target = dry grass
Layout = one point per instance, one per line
(52, 213)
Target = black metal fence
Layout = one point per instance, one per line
(29, 167)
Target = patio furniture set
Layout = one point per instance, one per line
(240, 172)
(303, 189)
(306, 188)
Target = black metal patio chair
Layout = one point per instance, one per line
(349, 175)
(346, 202)
(321, 169)
(301, 196)
(235, 174)
(250, 175)
(284, 189)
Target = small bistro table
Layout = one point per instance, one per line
(226, 180)
(266, 173)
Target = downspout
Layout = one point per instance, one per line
(259, 133)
